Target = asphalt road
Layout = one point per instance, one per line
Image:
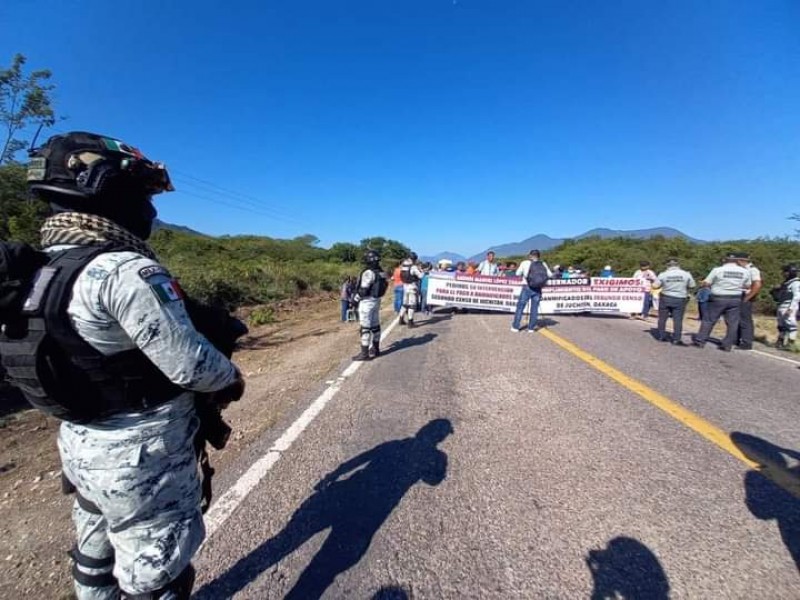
(473, 462)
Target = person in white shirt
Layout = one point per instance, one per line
(488, 267)
(648, 277)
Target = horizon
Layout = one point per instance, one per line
(433, 123)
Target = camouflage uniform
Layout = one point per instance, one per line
(137, 513)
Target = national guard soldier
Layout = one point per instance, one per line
(411, 275)
(746, 326)
(728, 283)
(675, 284)
(134, 361)
(787, 295)
(372, 284)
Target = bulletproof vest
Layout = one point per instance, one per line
(378, 287)
(405, 273)
(58, 371)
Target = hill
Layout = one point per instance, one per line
(443, 256)
(159, 224)
(545, 242)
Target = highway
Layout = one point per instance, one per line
(586, 460)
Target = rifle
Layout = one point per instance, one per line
(222, 331)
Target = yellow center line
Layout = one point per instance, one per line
(778, 474)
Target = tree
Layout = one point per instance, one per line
(391, 250)
(796, 217)
(24, 101)
(344, 252)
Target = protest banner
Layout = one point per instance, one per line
(559, 296)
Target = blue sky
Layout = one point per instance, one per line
(446, 124)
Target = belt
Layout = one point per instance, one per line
(726, 295)
(676, 297)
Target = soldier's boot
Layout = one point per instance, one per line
(402, 319)
(375, 351)
(363, 355)
(779, 344)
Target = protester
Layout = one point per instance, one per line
(398, 290)
(510, 270)
(471, 268)
(535, 274)
(346, 296)
(461, 267)
(488, 267)
(372, 285)
(607, 272)
(423, 289)
(647, 277)
(727, 283)
(675, 284)
(746, 326)
(411, 275)
(128, 363)
(787, 295)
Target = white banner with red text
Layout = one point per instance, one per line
(559, 296)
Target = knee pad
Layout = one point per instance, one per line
(181, 587)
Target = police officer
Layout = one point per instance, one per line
(788, 298)
(411, 275)
(134, 468)
(675, 284)
(728, 283)
(746, 326)
(371, 286)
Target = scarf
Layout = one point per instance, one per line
(83, 229)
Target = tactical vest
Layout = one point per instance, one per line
(378, 287)
(405, 274)
(58, 371)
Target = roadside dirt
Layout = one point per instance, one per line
(282, 362)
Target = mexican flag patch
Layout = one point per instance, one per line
(169, 291)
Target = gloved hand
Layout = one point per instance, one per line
(232, 392)
(356, 299)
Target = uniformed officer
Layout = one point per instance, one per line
(746, 326)
(675, 284)
(137, 511)
(728, 283)
(788, 297)
(371, 286)
(411, 275)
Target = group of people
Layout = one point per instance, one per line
(727, 292)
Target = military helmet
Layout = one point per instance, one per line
(790, 271)
(85, 165)
(372, 258)
(413, 256)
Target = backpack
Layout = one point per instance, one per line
(782, 293)
(537, 275)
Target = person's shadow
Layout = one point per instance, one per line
(409, 342)
(354, 507)
(627, 569)
(766, 488)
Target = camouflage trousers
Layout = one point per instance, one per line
(137, 512)
(369, 318)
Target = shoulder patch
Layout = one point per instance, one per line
(147, 272)
(168, 291)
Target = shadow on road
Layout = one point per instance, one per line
(354, 508)
(767, 487)
(628, 569)
(409, 342)
(391, 592)
(435, 319)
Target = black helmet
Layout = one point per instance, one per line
(91, 173)
(413, 256)
(372, 258)
(790, 271)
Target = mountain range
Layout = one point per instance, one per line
(545, 242)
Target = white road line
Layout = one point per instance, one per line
(223, 508)
(772, 356)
